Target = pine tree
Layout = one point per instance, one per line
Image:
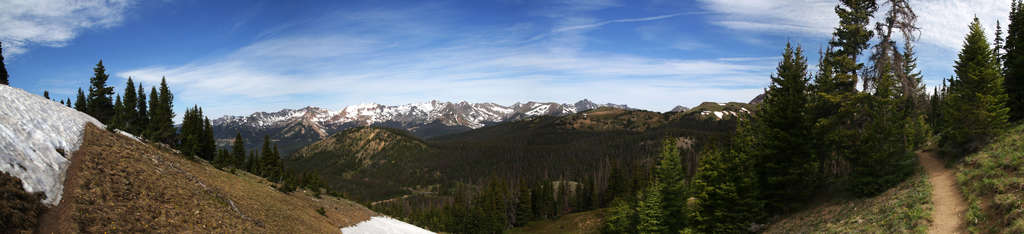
(143, 113)
(3, 68)
(238, 151)
(68, 102)
(1013, 62)
(833, 109)
(788, 165)
(130, 111)
(209, 143)
(267, 163)
(524, 207)
(117, 122)
(100, 104)
(725, 192)
(161, 124)
(975, 107)
(81, 104)
(622, 217)
(46, 94)
(671, 178)
(650, 210)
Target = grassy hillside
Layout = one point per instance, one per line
(581, 222)
(905, 208)
(992, 181)
(118, 184)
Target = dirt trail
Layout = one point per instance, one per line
(947, 215)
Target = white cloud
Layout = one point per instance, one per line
(943, 22)
(26, 23)
(502, 73)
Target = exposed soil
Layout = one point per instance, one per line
(947, 216)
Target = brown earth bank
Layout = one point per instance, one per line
(118, 184)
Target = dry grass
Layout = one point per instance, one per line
(116, 184)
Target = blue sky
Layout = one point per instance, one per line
(238, 57)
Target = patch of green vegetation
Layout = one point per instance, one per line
(581, 222)
(992, 181)
(905, 208)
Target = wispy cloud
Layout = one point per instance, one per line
(54, 23)
(358, 65)
(943, 22)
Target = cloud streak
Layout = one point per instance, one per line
(54, 23)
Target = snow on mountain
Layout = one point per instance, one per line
(472, 115)
(37, 137)
(383, 225)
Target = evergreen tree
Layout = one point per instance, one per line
(524, 207)
(68, 102)
(725, 192)
(622, 217)
(142, 116)
(238, 151)
(130, 111)
(118, 121)
(208, 144)
(975, 107)
(787, 163)
(650, 210)
(46, 94)
(672, 179)
(1013, 62)
(3, 68)
(191, 126)
(161, 124)
(833, 109)
(81, 104)
(100, 104)
(251, 163)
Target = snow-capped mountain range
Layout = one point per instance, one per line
(471, 115)
(294, 128)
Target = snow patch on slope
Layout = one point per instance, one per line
(32, 130)
(383, 225)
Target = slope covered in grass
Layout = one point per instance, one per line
(580, 222)
(992, 181)
(118, 184)
(905, 208)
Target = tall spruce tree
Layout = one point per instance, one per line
(81, 104)
(1013, 62)
(788, 166)
(975, 107)
(652, 217)
(672, 179)
(208, 144)
(238, 151)
(99, 100)
(143, 112)
(725, 192)
(161, 124)
(117, 122)
(833, 108)
(3, 68)
(130, 111)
